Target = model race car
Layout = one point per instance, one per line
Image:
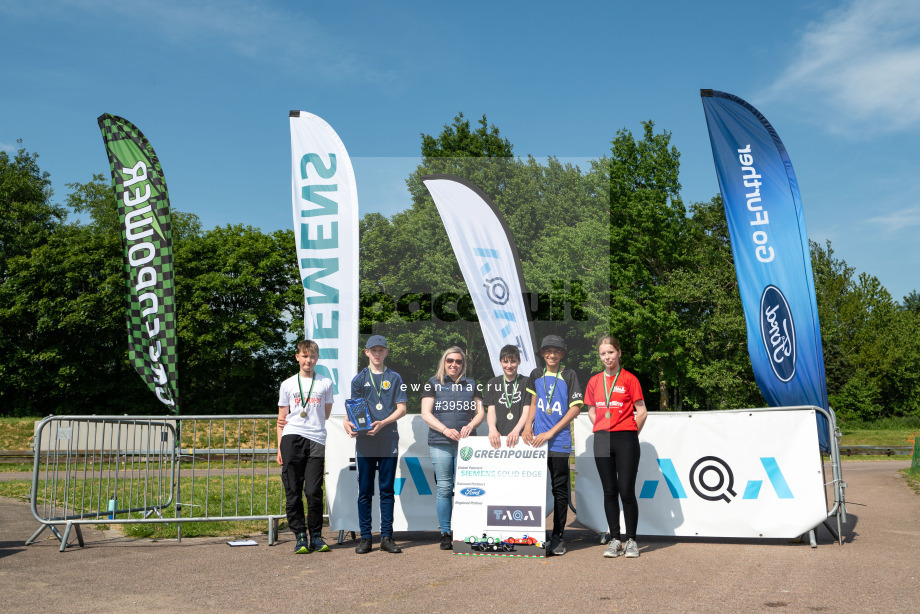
(489, 544)
(524, 541)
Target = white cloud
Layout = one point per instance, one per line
(896, 221)
(858, 68)
(10, 148)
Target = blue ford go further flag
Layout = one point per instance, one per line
(772, 258)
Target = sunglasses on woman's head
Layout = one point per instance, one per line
(451, 361)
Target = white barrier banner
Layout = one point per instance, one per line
(499, 499)
(415, 487)
(740, 473)
(325, 200)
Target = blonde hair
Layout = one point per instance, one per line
(442, 371)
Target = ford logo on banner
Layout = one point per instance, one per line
(472, 492)
(778, 332)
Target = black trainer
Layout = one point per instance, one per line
(364, 546)
(388, 545)
(303, 544)
(447, 543)
(556, 546)
(317, 544)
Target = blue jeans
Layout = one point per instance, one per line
(368, 467)
(444, 459)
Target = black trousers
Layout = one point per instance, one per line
(304, 462)
(560, 476)
(616, 455)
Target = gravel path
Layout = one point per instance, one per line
(877, 569)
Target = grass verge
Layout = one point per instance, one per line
(913, 478)
(16, 433)
(201, 496)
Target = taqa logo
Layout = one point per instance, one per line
(778, 332)
(472, 492)
(466, 453)
(516, 516)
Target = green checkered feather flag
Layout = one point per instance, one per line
(146, 231)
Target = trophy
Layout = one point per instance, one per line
(359, 415)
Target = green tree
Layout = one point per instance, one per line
(28, 221)
(871, 344)
(457, 140)
(557, 215)
(240, 304)
(27, 215)
(714, 370)
(912, 302)
(647, 219)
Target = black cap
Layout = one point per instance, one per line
(552, 341)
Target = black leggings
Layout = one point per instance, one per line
(617, 457)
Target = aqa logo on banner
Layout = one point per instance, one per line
(712, 479)
(778, 332)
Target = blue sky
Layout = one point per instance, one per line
(211, 83)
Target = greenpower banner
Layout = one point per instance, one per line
(146, 231)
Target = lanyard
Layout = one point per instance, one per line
(552, 391)
(513, 392)
(612, 386)
(370, 375)
(303, 401)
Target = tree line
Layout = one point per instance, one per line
(607, 248)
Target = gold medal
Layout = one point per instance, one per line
(303, 414)
(607, 415)
(549, 410)
(510, 416)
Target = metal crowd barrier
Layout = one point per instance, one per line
(839, 509)
(155, 469)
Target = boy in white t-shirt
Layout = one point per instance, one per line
(304, 405)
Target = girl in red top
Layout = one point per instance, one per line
(617, 410)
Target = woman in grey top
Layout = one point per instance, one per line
(452, 408)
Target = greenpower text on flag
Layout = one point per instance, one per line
(146, 230)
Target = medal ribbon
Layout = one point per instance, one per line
(612, 386)
(513, 392)
(552, 390)
(303, 401)
(374, 386)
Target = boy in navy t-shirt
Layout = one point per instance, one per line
(557, 400)
(377, 449)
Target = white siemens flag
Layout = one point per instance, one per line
(490, 265)
(326, 232)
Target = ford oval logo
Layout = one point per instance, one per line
(472, 492)
(778, 332)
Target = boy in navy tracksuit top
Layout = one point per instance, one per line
(377, 449)
(557, 400)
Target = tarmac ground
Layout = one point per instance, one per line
(876, 569)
